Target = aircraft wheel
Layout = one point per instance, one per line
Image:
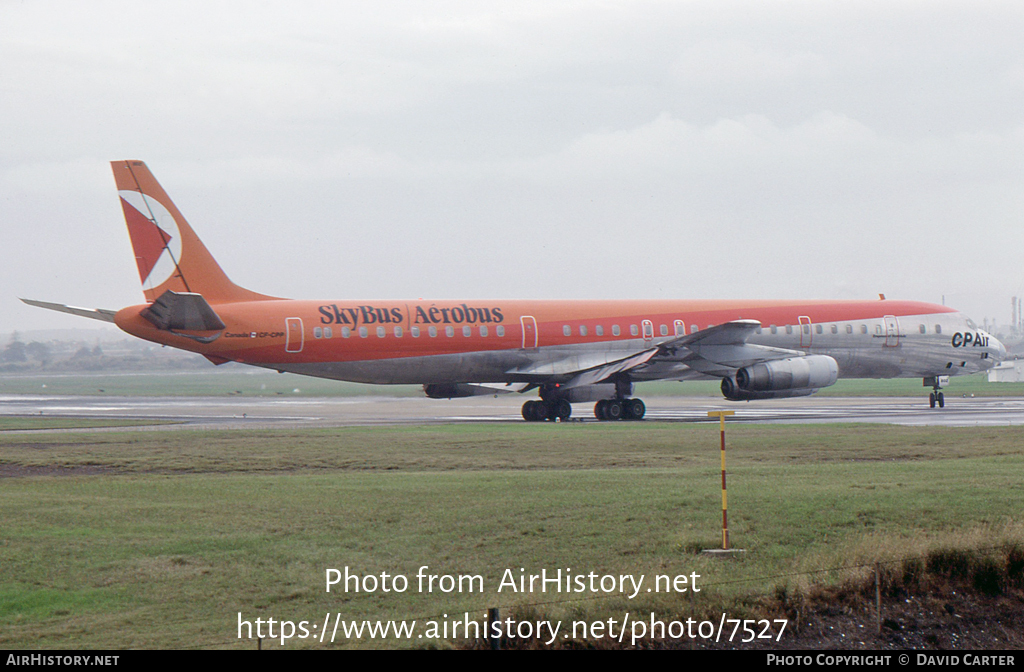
(637, 408)
(613, 410)
(528, 411)
(562, 409)
(599, 409)
(542, 410)
(931, 400)
(941, 399)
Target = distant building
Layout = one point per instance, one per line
(1009, 371)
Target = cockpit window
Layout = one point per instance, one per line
(971, 324)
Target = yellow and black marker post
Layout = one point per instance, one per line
(725, 517)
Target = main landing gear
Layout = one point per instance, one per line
(620, 409)
(606, 409)
(539, 410)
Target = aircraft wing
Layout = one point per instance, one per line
(92, 313)
(716, 351)
(720, 350)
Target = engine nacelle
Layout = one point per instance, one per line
(796, 373)
(732, 392)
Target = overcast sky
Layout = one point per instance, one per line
(379, 150)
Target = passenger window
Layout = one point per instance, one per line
(501, 330)
(449, 332)
(432, 331)
(615, 330)
(923, 329)
(817, 328)
(835, 328)
(863, 328)
(398, 332)
(318, 332)
(757, 331)
(483, 331)
(467, 331)
(345, 332)
(328, 332)
(789, 328)
(415, 331)
(774, 329)
(849, 328)
(599, 330)
(583, 330)
(380, 332)
(807, 329)
(363, 333)
(664, 330)
(694, 329)
(938, 328)
(633, 330)
(878, 329)
(566, 330)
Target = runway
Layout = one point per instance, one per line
(255, 412)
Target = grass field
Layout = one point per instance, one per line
(249, 381)
(159, 539)
(33, 423)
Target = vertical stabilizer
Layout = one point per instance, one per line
(168, 253)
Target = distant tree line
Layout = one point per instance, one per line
(18, 356)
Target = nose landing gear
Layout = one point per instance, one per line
(935, 397)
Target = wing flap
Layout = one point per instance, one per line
(602, 373)
(570, 365)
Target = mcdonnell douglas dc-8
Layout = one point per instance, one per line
(568, 351)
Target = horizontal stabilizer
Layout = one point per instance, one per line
(182, 311)
(92, 313)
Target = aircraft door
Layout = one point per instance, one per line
(892, 331)
(293, 334)
(648, 331)
(529, 331)
(805, 331)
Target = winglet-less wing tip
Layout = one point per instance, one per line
(92, 313)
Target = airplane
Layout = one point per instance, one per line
(569, 351)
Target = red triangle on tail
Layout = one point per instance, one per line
(148, 239)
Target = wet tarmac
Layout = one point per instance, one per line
(255, 412)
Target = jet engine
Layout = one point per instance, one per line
(793, 377)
